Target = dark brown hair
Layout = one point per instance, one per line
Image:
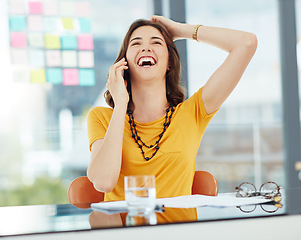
(174, 92)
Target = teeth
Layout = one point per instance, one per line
(146, 59)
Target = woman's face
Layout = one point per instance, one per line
(147, 54)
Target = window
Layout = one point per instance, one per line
(244, 140)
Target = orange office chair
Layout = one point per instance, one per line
(81, 191)
(204, 183)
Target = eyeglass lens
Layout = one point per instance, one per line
(269, 189)
(246, 189)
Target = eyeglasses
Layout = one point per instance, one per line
(267, 190)
(269, 208)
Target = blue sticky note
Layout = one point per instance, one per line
(85, 25)
(69, 42)
(86, 77)
(37, 57)
(54, 75)
(17, 23)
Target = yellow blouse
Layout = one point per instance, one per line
(174, 163)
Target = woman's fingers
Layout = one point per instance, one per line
(116, 83)
(119, 71)
(171, 25)
(115, 67)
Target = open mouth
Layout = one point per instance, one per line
(146, 61)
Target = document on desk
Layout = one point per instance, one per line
(189, 201)
(222, 200)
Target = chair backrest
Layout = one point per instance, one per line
(81, 192)
(204, 183)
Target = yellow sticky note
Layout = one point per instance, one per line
(38, 76)
(68, 23)
(52, 41)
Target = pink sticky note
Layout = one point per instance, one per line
(53, 58)
(35, 23)
(19, 56)
(18, 39)
(85, 42)
(70, 77)
(82, 9)
(50, 8)
(35, 7)
(17, 7)
(86, 59)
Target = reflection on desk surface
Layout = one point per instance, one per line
(57, 218)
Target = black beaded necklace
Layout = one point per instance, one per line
(137, 138)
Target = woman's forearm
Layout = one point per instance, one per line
(106, 155)
(225, 39)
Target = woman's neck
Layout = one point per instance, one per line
(150, 101)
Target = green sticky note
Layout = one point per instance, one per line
(54, 75)
(85, 25)
(86, 77)
(37, 76)
(17, 23)
(52, 41)
(68, 23)
(69, 42)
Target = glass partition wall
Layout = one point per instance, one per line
(43, 140)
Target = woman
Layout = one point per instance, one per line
(151, 130)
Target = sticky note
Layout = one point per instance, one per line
(20, 75)
(86, 77)
(86, 59)
(85, 42)
(19, 56)
(35, 7)
(36, 40)
(17, 7)
(69, 58)
(18, 39)
(67, 23)
(68, 42)
(82, 9)
(52, 41)
(67, 8)
(38, 76)
(84, 25)
(70, 76)
(51, 24)
(35, 23)
(37, 58)
(54, 75)
(53, 58)
(50, 8)
(17, 23)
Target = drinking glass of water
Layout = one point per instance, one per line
(140, 193)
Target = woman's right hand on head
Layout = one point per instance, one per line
(116, 83)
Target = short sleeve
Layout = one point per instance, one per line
(98, 120)
(196, 107)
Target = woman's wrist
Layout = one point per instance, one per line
(122, 107)
(195, 32)
(187, 31)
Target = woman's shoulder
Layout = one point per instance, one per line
(100, 111)
(194, 99)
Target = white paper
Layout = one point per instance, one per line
(189, 201)
(110, 207)
(222, 200)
